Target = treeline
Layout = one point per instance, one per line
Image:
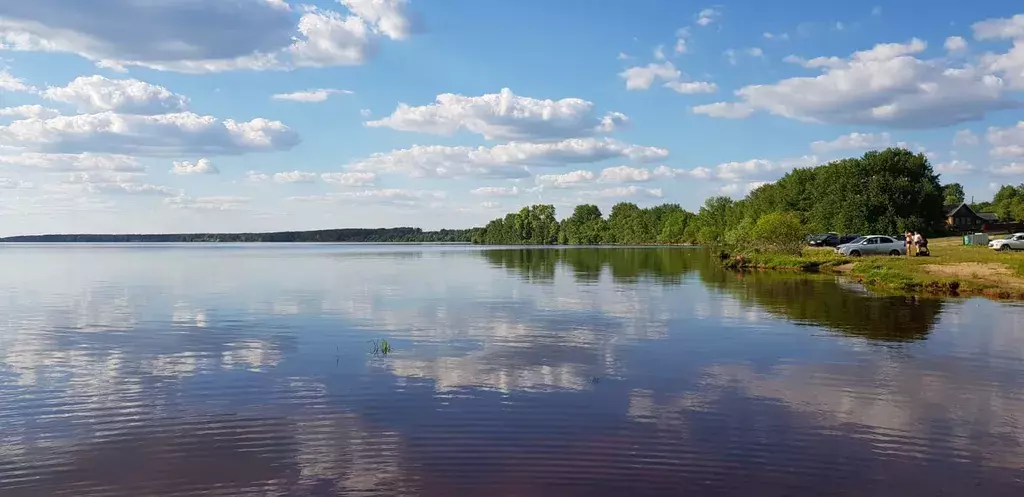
(882, 192)
(353, 235)
(1008, 203)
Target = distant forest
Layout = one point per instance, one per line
(378, 235)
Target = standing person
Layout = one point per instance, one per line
(910, 243)
(919, 243)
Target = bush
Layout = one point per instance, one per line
(779, 232)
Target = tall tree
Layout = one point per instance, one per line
(953, 194)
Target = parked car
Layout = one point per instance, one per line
(1011, 242)
(830, 240)
(873, 245)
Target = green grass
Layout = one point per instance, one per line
(989, 273)
(381, 347)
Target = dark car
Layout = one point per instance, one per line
(830, 239)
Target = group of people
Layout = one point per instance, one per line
(917, 244)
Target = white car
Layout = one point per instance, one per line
(1012, 242)
(873, 245)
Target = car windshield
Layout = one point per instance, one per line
(817, 238)
(857, 240)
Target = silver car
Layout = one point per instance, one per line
(873, 245)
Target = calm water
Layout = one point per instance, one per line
(246, 370)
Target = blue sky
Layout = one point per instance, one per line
(241, 115)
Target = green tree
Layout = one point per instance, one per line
(779, 232)
(953, 194)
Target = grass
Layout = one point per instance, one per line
(381, 347)
(952, 269)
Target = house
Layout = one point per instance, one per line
(963, 218)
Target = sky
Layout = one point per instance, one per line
(132, 116)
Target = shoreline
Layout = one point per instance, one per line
(953, 270)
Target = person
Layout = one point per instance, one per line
(920, 244)
(910, 243)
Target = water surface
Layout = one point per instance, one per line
(153, 370)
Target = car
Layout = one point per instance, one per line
(873, 245)
(1011, 242)
(830, 239)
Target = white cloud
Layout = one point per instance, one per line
(692, 87)
(109, 183)
(566, 180)
(965, 137)
(731, 56)
(623, 56)
(736, 189)
(696, 173)
(750, 170)
(74, 162)
(256, 177)
(1007, 142)
(10, 83)
(755, 52)
(92, 94)
(503, 115)
(365, 112)
(490, 205)
(707, 16)
(508, 160)
(385, 197)
(625, 174)
(1001, 28)
(294, 177)
(815, 63)
(200, 37)
(853, 141)
(955, 44)
(682, 34)
(310, 96)
(659, 52)
(1012, 169)
(202, 166)
(349, 179)
(642, 77)
(882, 86)
(167, 134)
(13, 184)
(623, 191)
(35, 111)
(388, 17)
(775, 36)
(496, 191)
(954, 167)
(224, 203)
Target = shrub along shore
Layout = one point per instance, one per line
(883, 192)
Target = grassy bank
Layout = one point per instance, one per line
(952, 269)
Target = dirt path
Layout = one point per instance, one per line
(988, 272)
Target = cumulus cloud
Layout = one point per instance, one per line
(294, 177)
(202, 166)
(965, 137)
(509, 160)
(203, 36)
(707, 16)
(642, 77)
(623, 191)
(886, 85)
(10, 83)
(74, 162)
(183, 133)
(749, 170)
(955, 44)
(33, 111)
(394, 197)
(310, 96)
(1012, 169)
(1000, 28)
(110, 183)
(954, 167)
(349, 179)
(1007, 142)
(223, 203)
(567, 180)
(13, 184)
(256, 177)
(496, 191)
(93, 94)
(1009, 65)
(625, 174)
(853, 141)
(503, 115)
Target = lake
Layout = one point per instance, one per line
(231, 370)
